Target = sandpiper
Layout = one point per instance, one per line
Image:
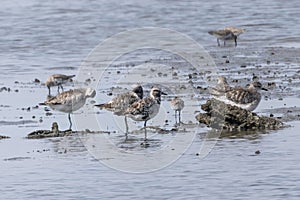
(57, 80)
(247, 98)
(121, 102)
(146, 108)
(224, 35)
(177, 105)
(70, 101)
(221, 87)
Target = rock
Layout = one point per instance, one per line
(54, 132)
(3, 137)
(232, 118)
(37, 81)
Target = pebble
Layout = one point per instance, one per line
(36, 80)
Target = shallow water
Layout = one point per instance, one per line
(42, 38)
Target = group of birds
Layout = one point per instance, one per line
(135, 105)
(131, 104)
(226, 34)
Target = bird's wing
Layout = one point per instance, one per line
(240, 95)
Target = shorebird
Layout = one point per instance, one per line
(57, 80)
(177, 105)
(145, 108)
(234, 30)
(221, 87)
(121, 102)
(224, 35)
(70, 101)
(245, 98)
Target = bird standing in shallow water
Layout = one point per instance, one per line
(245, 98)
(119, 104)
(57, 80)
(224, 35)
(146, 108)
(177, 105)
(70, 101)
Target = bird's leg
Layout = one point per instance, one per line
(145, 123)
(218, 41)
(175, 116)
(69, 117)
(224, 43)
(126, 124)
(235, 42)
(62, 89)
(49, 91)
(179, 116)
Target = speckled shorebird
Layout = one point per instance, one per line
(221, 87)
(246, 98)
(177, 105)
(234, 30)
(70, 101)
(146, 108)
(119, 104)
(57, 80)
(224, 35)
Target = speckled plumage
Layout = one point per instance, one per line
(221, 87)
(234, 30)
(224, 35)
(70, 101)
(146, 108)
(246, 98)
(57, 80)
(119, 104)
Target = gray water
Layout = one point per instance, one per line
(41, 38)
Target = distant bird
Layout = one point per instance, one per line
(246, 98)
(57, 80)
(177, 105)
(146, 108)
(70, 101)
(234, 30)
(221, 87)
(224, 35)
(119, 104)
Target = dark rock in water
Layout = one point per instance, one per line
(48, 133)
(3, 137)
(3, 89)
(37, 81)
(232, 118)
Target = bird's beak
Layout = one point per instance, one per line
(265, 89)
(164, 93)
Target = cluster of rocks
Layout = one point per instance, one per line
(232, 118)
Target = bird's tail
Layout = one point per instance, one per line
(211, 32)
